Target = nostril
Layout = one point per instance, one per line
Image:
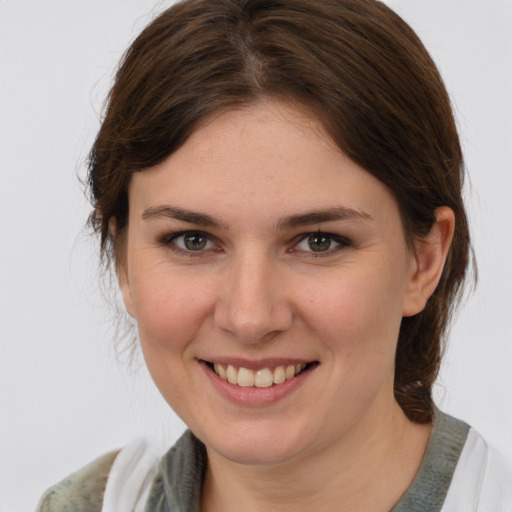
(252, 323)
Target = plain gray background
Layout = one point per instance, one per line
(64, 397)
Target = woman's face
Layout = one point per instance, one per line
(257, 247)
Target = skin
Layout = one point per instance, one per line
(338, 441)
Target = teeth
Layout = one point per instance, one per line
(231, 375)
(245, 378)
(263, 378)
(279, 375)
(222, 372)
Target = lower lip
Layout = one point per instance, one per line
(254, 396)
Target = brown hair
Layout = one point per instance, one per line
(356, 65)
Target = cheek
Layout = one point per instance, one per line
(170, 308)
(358, 307)
(170, 313)
(357, 318)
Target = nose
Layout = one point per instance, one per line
(252, 304)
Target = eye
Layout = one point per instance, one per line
(191, 241)
(321, 243)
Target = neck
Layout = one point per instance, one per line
(368, 469)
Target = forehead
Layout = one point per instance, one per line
(268, 159)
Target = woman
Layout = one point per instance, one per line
(279, 187)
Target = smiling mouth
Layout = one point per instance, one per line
(262, 378)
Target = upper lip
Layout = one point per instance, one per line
(252, 364)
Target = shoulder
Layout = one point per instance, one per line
(482, 480)
(81, 491)
(495, 476)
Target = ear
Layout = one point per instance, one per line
(427, 262)
(124, 286)
(122, 269)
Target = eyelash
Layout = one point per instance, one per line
(169, 241)
(341, 242)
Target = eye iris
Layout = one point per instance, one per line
(195, 241)
(319, 243)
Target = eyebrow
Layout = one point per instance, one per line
(288, 222)
(326, 215)
(174, 212)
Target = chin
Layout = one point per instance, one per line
(256, 455)
(261, 446)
